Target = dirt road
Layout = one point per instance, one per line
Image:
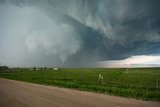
(21, 94)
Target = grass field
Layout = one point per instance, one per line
(137, 83)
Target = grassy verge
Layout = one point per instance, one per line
(135, 83)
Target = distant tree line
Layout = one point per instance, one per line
(2, 68)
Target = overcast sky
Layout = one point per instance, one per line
(80, 33)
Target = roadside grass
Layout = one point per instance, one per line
(139, 83)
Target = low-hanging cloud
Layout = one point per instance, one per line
(51, 36)
(74, 33)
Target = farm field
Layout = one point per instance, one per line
(139, 83)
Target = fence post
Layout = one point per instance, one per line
(157, 84)
(100, 79)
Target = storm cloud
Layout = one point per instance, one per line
(77, 33)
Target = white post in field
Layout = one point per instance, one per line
(100, 79)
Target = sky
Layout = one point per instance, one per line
(80, 33)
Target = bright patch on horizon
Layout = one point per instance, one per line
(133, 61)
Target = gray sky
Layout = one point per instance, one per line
(79, 33)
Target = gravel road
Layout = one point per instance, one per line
(22, 94)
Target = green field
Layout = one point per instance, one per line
(137, 83)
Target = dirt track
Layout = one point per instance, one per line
(21, 94)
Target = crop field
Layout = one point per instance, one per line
(139, 83)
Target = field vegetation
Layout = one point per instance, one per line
(139, 83)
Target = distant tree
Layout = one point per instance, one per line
(3, 68)
(34, 68)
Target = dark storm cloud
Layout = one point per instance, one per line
(77, 32)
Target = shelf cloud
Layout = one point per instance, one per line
(77, 33)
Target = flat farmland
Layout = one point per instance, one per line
(138, 83)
